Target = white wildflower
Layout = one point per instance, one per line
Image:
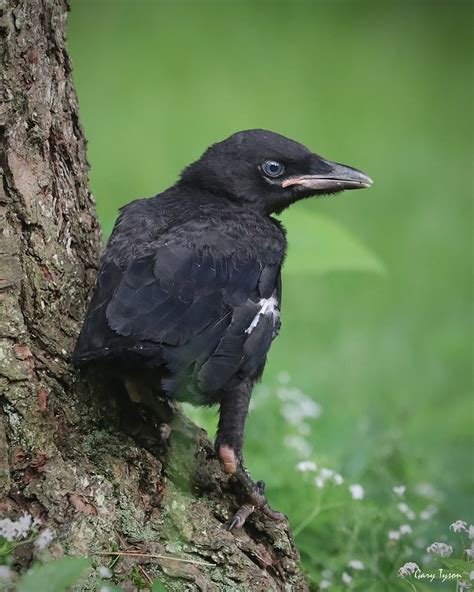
(324, 584)
(428, 512)
(426, 490)
(356, 564)
(463, 586)
(289, 394)
(405, 509)
(326, 473)
(405, 529)
(399, 490)
(296, 412)
(471, 575)
(304, 429)
(306, 465)
(300, 444)
(104, 572)
(44, 539)
(424, 515)
(327, 574)
(291, 414)
(346, 578)
(283, 377)
(470, 552)
(5, 572)
(393, 535)
(310, 408)
(471, 532)
(458, 526)
(13, 530)
(357, 491)
(285, 394)
(409, 568)
(441, 549)
(319, 482)
(298, 406)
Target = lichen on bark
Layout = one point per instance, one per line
(66, 455)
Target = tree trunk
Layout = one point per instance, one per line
(67, 455)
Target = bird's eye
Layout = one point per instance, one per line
(272, 168)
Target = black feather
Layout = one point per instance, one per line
(185, 274)
(185, 302)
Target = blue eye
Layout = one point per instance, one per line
(272, 168)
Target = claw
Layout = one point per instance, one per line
(235, 522)
(273, 514)
(241, 516)
(254, 492)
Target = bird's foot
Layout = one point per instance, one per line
(255, 500)
(253, 492)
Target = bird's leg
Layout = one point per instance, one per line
(228, 445)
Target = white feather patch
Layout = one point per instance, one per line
(268, 307)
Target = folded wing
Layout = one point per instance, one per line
(201, 312)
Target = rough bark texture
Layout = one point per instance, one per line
(67, 455)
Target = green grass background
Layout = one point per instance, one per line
(377, 305)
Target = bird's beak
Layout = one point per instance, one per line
(335, 177)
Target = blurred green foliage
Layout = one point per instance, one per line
(54, 576)
(377, 298)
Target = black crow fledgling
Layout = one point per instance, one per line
(188, 292)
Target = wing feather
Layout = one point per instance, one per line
(189, 303)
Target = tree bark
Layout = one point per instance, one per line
(66, 454)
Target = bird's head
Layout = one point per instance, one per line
(268, 171)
